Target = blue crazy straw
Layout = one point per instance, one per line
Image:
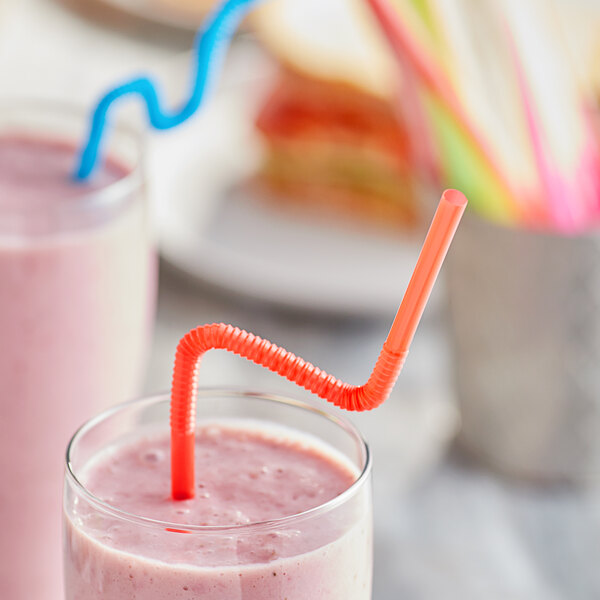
(211, 44)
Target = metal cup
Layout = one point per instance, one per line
(525, 315)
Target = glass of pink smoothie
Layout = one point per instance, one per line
(282, 509)
(77, 290)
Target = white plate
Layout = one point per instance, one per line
(214, 229)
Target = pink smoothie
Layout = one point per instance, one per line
(244, 476)
(76, 281)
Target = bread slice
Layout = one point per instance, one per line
(333, 40)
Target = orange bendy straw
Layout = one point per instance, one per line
(194, 344)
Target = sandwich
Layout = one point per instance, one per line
(336, 137)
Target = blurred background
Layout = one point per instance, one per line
(294, 206)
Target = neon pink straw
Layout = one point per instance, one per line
(554, 188)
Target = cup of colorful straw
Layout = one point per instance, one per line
(515, 126)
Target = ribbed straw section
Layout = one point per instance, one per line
(219, 336)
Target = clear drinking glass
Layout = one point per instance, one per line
(325, 552)
(77, 294)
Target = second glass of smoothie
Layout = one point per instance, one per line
(282, 508)
(77, 290)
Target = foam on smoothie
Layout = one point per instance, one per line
(245, 474)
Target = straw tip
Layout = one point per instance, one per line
(455, 198)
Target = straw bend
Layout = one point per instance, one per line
(226, 337)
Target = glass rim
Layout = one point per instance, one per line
(103, 197)
(307, 405)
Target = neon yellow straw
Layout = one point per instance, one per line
(466, 167)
